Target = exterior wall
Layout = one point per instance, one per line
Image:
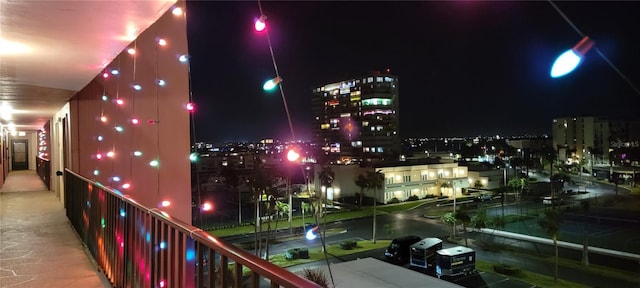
(166, 138)
(490, 179)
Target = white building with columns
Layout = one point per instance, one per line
(401, 181)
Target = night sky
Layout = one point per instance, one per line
(465, 68)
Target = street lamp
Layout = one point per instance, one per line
(292, 156)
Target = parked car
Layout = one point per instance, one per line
(484, 197)
(400, 248)
(549, 200)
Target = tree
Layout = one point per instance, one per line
(361, 182)
(478, 184)
(375, 181)
(450, 219)
(551, 224)
(326, 177)
(479, 220)
(259, 182)
(280, 210)
(463, 217)
(586, 206)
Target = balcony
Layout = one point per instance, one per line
(113, 242)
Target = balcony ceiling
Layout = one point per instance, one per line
(51, 49)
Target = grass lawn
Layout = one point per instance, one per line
(332, 251)
(536, 279)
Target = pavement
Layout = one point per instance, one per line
(38, 246)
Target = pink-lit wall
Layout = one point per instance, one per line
(167, 139)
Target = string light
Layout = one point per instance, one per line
(131, 51)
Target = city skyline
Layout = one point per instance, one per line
(464, 68)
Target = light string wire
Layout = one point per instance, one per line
(275, 67)
(157, 121)
(286, 109)
(624, 77)
(133, 115)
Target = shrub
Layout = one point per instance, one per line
(316, 276)
(413, 198)
(393, 200)
(348, 244)
(506, 269)
(297, 253)
(429, 196)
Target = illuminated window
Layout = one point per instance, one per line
(345, 115)
(380, 150)
(376, 101)
(388, 79)
(324, 126)
(379, 79)
(333, 102)
(365, 123)
(370, 80)
(406, 178)
(356, 144)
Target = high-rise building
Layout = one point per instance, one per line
(357, 119)
(578, 137)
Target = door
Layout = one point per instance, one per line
(19, 154)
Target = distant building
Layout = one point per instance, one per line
(357, 120)
(578, 137)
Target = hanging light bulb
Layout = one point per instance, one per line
(105, 98)
(292, 155)
(119, 101)
(135, 121)
(261, 23)
(162, 42)
(153, 163)
(571, 59)
(271, 84)
(191, 107)
(177, 11)
(131, 51)
(183, 58)
(103, 118)
(137, 87)
(115, 72)
(105, 75)
(137, 153)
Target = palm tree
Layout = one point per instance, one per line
(450, 219)
(586, 206)
(259, 182)
(479, 220)
(463, 217)
(326, 177)
(375, 182)
(551, 224)
(280, 210)
(361, 182)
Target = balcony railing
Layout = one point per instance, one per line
(136, 246)
(43, 168)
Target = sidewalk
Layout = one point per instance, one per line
(38, 247)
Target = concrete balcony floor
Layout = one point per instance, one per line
(38, 246)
